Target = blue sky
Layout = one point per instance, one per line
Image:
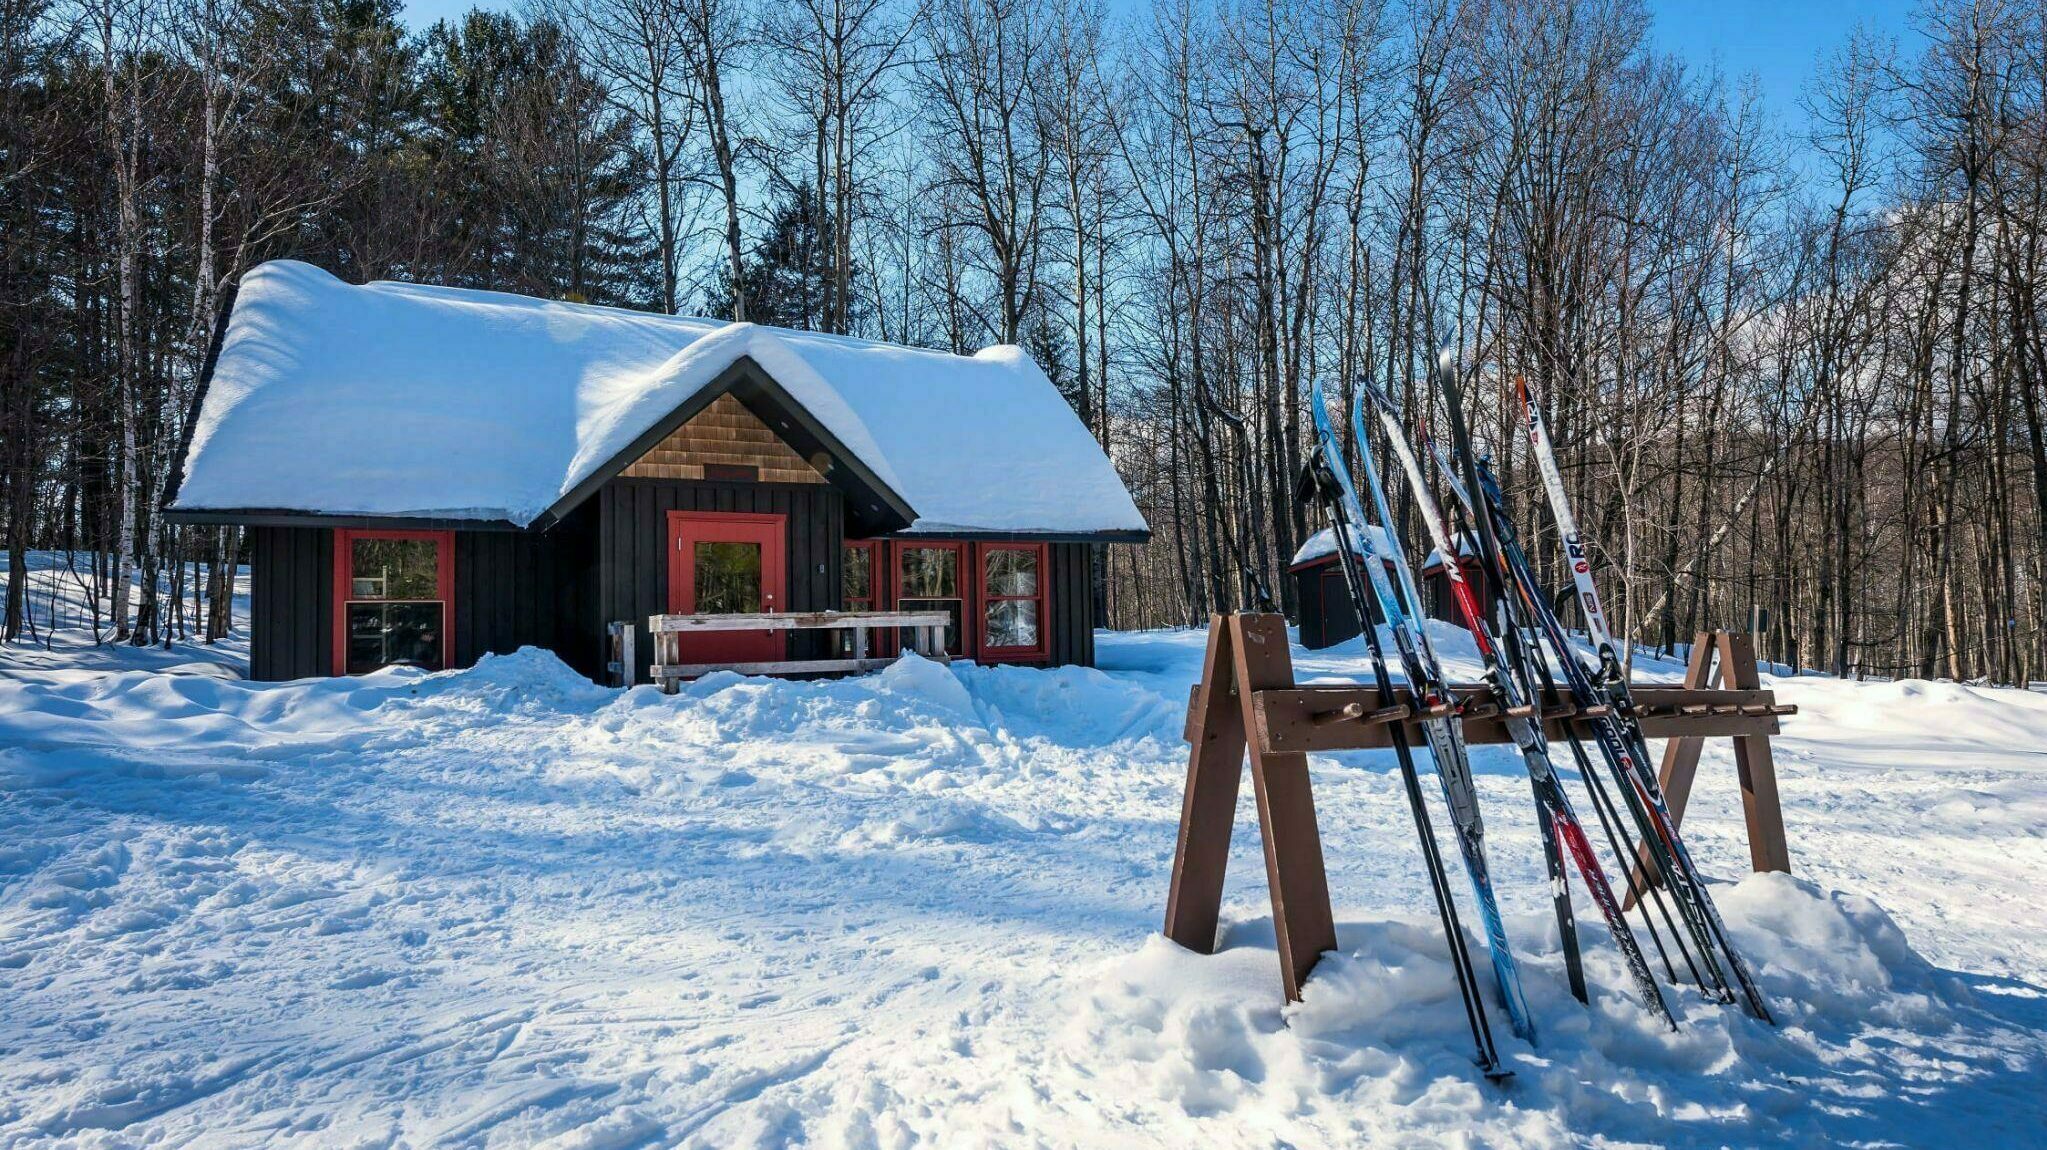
(1777, 41)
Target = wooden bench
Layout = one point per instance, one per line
(927, 638)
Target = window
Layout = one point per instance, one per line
(1012, 600)
(856, 581)
(928, 579)
(392, 598)
(857, 590)
(728, 578)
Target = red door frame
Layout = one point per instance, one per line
(981, 598)
(774, 562)
(444, 589)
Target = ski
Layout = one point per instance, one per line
(1398, 605)
(1320, 481)
(1474, 619)
(1619, 758)
(1622, 727)
(1431, 687)
(1509, 671)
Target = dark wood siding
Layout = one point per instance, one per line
(517, 589)
(291, 602)
(1072, 605)
(633, 540)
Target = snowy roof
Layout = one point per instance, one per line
(1321, 544)
(1464, 551)
(402, 400)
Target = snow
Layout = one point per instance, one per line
(394, 399)
(1371, 537)
(502, 906)
(63, 644)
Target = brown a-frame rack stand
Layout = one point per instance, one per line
(1247, 701)
(1246, 654)
(1753, 764)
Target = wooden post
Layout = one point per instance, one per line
(1248, 653)
(1767, 848)
(626, 663)
(1757, 771)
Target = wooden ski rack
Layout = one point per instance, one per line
(1247, 701)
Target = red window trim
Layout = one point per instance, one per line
(981, 599)
(970, 583)
(444, 567)
(877, 575)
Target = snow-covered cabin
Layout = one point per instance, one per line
(429, 474)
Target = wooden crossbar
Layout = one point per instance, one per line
(927, 638)
(1248, 704)
(1306, 718)
(796, 621)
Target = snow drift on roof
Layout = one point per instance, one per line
(402, 400)
(1369, 538)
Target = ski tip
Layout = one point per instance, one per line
(1446, 378)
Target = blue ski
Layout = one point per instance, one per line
(1424, 675)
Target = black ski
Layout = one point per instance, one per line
(1319, 482)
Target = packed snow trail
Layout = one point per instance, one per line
(504, 907)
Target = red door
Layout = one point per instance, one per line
(723, 563)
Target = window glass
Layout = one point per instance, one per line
(383, 634)
(951, 607)
(1012, 572)
(1012, 623)
(857, 585)
(929, 579)
(394, 569)
(931, 573)
(728, 578)
(1012, 595)
(393, 615)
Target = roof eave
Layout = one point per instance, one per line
(1112, 536)
(289, 517)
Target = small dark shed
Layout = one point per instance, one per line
(1323, 607)
(1435, 580)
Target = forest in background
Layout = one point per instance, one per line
(1795, 376)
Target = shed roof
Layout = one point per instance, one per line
(1369, 539)
(394, 400)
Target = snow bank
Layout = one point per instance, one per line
(404, 400)
(1375, 1054)
(921, 907)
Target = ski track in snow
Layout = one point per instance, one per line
(505, 907)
